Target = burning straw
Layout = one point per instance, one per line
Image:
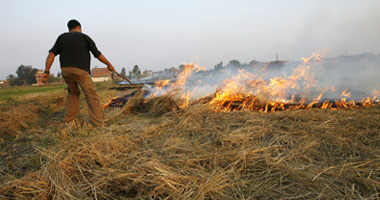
(300, 86)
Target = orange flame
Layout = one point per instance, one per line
(247, 91)
(162, 83)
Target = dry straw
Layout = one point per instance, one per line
(152, 150)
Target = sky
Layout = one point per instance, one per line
(158, 34)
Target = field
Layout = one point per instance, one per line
(154, 150)
(14, 92)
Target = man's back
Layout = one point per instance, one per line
(74, 48)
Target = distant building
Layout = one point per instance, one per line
(100, 74)
(148, 72)
(4, 83)
(100, 79)
(39, 75)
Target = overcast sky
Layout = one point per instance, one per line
(156, 34)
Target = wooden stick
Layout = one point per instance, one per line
(125, 78)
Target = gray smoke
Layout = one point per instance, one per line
(357, 74)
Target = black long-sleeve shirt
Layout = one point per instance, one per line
(74, 48)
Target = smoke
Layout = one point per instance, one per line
(351, 77)
(356, 73)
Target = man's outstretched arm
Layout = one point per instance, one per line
(49, 61)
(104, 60)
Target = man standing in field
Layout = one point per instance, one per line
(74, 48)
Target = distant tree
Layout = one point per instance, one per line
(26, 75)
(145, 73)
(219, 65)
(253, 62)
(12, 79)
(135, 73)
(235, 63)
(115, 78)
(181, 68)
(136, 70)
(123, 71)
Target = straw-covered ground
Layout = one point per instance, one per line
(153, 150)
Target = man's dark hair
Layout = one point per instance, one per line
(73, 24)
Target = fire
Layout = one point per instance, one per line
(247, 91)
(184, 75)
(375, 94)
(272, 93)
(162, 83)
(263, 92)
(315, 56)
(178, 87)
(110, 102)
(346, 93)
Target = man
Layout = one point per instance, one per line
(74, 48)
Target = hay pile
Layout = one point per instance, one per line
(154, 106)
(24, 114)
(197, 153)
(13, 119)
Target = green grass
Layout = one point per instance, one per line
(12, 92)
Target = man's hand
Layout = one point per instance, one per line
(111, 68)
(48, 63)
(45, 78)
(104, 60)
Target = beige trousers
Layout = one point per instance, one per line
(74, 76)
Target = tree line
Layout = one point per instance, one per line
(26, 75)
